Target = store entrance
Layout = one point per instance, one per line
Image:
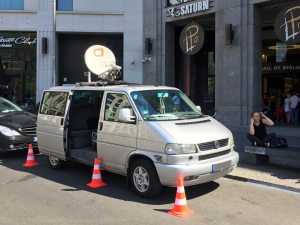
(275, 89)
(195, 74)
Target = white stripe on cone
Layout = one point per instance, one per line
(180, 202)
(30, 157)
(96, 167)
(96, 176)
(180, 189)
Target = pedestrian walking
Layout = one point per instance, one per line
(294, 108)
(287, 107)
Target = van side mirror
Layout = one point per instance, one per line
(198, 107)
(126, 116)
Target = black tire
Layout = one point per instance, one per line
(56, 163)
(36, 151)
(144, 179)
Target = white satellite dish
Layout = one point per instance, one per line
(101, 61)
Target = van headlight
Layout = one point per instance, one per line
(176, 149)
(8, 132)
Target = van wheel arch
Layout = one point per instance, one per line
(139, 162)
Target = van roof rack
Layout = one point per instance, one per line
(101, 83)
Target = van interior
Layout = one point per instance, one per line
(83, 124)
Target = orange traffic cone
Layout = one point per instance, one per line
(180, 207)
(96, 179)
(30, 158)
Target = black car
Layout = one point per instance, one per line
(17, 127)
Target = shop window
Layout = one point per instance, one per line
(280, 73)
(12, 5)
(64, 5)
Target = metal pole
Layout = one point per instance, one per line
(54, 78)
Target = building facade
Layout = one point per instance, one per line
(42, 42)
(240, 56)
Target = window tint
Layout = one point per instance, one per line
(54, 103)
(87, 99)
(12, 4)
(64, 5)
(114, 103)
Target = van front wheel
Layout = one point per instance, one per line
(56, 163)
(144, 179)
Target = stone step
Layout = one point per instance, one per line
(287, 157)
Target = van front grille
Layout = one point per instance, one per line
(223, 142)
(213, 145)
(30, 131)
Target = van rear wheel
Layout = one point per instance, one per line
(144, 179)
(56, 163)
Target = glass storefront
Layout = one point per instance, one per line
(18, 67)
(280, 69)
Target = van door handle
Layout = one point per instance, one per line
(100, 125)
(62, 121)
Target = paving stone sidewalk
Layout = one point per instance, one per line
(268, 174)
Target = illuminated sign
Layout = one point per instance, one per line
(8, 42)
(188, 8)
(272, 68)
(177, 2)
(191, 38)
(287, 24)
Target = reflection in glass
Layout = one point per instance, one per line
(164, 105)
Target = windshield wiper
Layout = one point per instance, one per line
(159, 116)
(192, 115)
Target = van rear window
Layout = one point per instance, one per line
(54, 103)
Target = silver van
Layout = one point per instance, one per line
(151, 134)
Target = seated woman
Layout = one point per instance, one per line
(257, 129)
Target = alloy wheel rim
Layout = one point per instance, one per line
(141, 179)
(53, 160)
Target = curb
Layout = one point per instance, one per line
(253, 181)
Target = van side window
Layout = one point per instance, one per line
(114, 103)
(54, 103)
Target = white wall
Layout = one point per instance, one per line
(104, 6)
(30, 4)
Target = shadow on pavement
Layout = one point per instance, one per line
(76, 176)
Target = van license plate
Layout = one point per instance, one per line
(220, 166)
(34, 139)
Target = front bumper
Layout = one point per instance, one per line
(16, 143)
(197, 173)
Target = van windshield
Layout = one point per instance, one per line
(165, 105)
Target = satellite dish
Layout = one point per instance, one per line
(101, 61)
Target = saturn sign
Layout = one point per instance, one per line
(287, 24)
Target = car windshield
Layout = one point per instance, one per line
(7, 106)
(165, 105)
